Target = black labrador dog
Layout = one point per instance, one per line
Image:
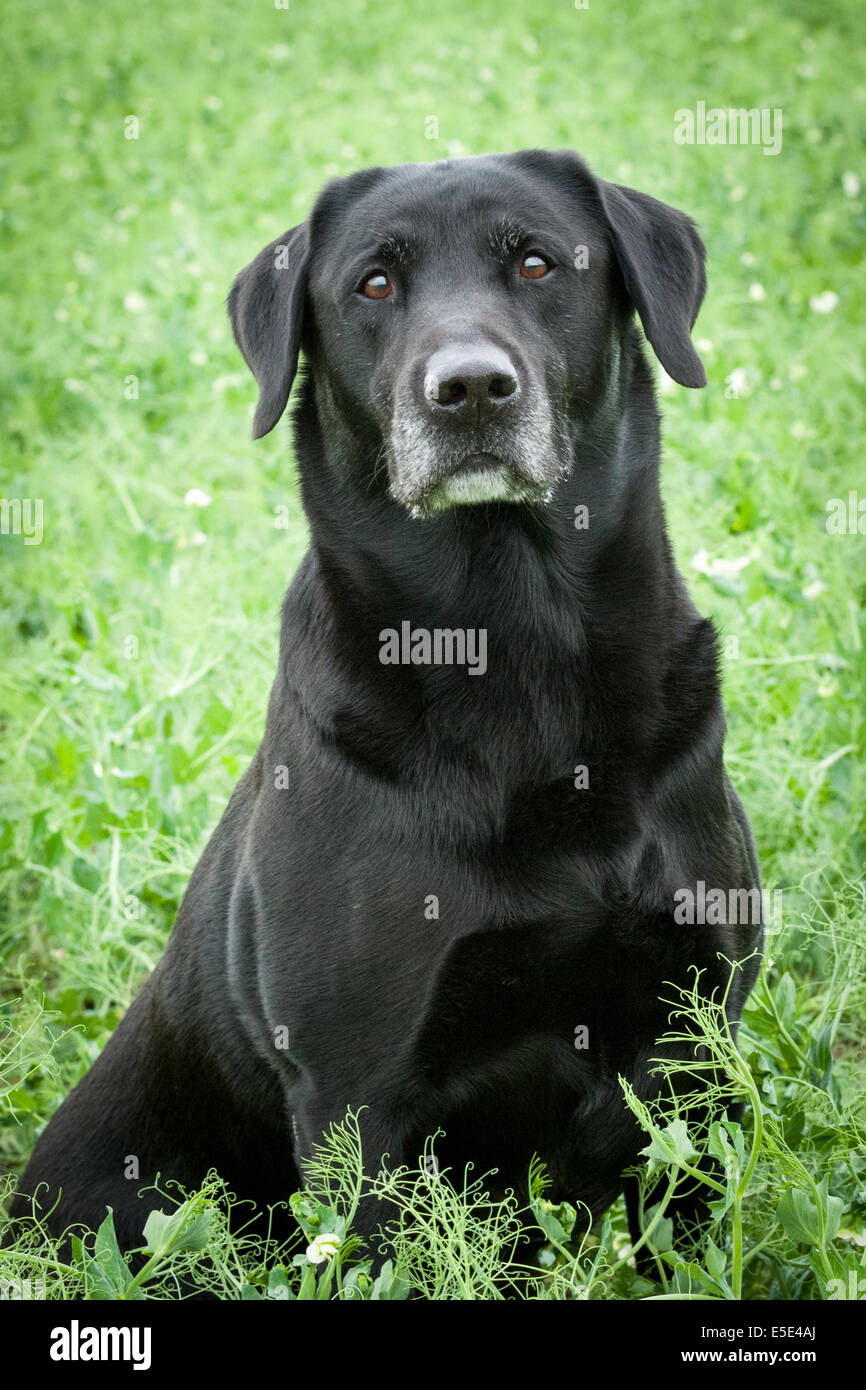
(447, 887)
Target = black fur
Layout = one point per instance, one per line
(555, 904)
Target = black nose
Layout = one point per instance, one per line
(473, 382)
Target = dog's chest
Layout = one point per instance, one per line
(424, 956)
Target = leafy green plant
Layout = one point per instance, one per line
(749, 1156)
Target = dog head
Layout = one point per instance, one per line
(467, 318)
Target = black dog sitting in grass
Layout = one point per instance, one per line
(434, 880)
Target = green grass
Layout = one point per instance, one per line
(140, 636)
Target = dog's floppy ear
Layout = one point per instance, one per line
(661, 258)
(266, 307)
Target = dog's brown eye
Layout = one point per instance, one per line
(376, 286)
(533, 266)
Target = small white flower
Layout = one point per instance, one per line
(812, 590)
(704, 345)
(824, 303)
(850, 184)
(134, 302)
(198, 358)
(740, 381)
(222, 383)
(748, 259)
(212, 103)
(97, 768)
(720, 568)
(323, 1248)
(196, 498)
(757, 291)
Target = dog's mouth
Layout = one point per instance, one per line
(472, 479)
(433, 466)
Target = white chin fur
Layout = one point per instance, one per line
(475, 485)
